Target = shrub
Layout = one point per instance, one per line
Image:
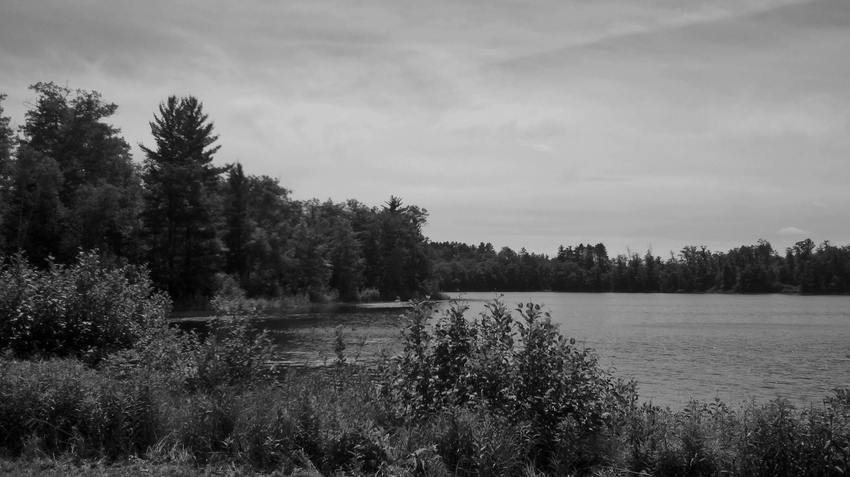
(164, 356)
(86, 309)
(230, 353)
(233, 352)
(524, 370)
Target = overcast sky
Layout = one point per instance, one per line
(651, 123)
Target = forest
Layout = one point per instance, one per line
(68, 182)
(804, 268)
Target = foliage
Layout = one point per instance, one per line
(260, 234)
(524, 370)
(233, 352)
(72, 180)
(396, 254)
(34, 211)
(230, 353)
(67, 182)
(87, 309)
(180, 199)
(755, 268)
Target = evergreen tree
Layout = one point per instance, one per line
(402, 265)
(181, 199)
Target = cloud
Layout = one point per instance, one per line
(792, 232)
(626, 122)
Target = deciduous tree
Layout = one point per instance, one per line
(98, 189)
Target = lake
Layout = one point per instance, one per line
(676, 346)
(734, 347)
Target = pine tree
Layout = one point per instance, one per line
(181, 199)
(403, 266)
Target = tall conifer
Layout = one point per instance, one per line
(181, 199)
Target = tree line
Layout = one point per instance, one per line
(803, 268)
(68, 183)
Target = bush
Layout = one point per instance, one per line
(87, 309)
(233, 352)
(230, 353)
(524, 370)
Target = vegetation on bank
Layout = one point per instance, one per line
(503, 393)
(804, 268)
(68, 182)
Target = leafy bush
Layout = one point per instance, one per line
(231, 352)
(524, 370)
(87, 309)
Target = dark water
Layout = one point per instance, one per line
(735, 347)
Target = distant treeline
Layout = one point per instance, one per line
(804, 268)
(68, 183)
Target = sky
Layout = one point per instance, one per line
(649, 124)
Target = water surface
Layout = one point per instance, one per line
(734, 347)
(676, 346)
